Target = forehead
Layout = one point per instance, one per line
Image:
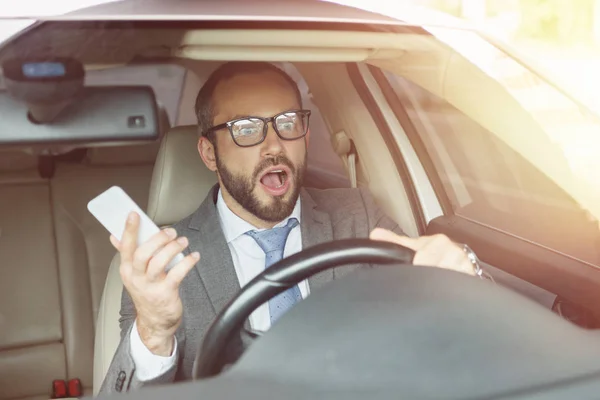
(261, 94)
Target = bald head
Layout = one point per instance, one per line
(236, 78)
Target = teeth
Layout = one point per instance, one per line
(281, 177)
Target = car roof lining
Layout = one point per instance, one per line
(265, 10)
(123, 43)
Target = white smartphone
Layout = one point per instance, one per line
(112, 207)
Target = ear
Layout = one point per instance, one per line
(207, 153)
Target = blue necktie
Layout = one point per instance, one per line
(272, 242)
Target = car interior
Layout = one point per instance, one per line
(432, 134)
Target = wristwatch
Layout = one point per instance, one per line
(475, 263)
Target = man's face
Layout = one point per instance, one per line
(248, 174)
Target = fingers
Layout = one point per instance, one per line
(163, 257)
(440, 251)
(388, 236)
(129, 239)
(435, 251)
(150, 248)
(179, 271)
(150, 258)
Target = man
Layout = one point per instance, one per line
(254, 135)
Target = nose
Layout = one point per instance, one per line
(272, 145)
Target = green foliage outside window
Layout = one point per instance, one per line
(558, 21)
(563, 21)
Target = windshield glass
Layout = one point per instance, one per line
(467, 98)
(442, 138)
(513, 152)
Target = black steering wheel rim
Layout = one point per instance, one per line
(279, 277)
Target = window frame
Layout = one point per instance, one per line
(386, 133)
(572, 280)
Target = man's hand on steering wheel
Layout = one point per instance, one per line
(392, 249)
(432, 251)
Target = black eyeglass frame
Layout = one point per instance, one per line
(229, 125)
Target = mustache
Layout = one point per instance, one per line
(270, 162)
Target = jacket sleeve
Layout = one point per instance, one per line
(375, 216)
(121, 376)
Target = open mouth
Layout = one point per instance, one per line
(276, 180)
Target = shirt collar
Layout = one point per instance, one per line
(234, 226)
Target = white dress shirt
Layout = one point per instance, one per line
(248, 261)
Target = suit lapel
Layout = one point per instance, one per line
(215, 267)
(316, 228)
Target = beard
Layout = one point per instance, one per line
(241, 188)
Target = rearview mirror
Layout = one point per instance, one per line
(94, 114)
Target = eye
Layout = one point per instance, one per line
(247, 131)
(286, 126)
(287, 122)
(246, 128)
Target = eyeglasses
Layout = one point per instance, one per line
(250, 131)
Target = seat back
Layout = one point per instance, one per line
(32, 335)
(180, 182)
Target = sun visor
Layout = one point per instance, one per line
(94, 114)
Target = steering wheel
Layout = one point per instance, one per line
(227, 328)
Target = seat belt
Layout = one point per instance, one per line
(344, 147)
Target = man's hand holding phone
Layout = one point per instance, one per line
(154, 291)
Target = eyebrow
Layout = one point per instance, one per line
(228, 119)
(237, 116)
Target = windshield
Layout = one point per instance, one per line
(446, 72)
(433, 133)
(545, 143)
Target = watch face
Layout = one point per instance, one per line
(473, 259)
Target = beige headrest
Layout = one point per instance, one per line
(15, 160)
(180, 180)
(134, 154)
(18, 167)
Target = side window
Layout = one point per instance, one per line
(489, 183)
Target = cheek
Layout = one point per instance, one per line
(240, 160)
(296, 151)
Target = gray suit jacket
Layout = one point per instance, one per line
(326, 215)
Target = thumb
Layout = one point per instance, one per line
(388, 236)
